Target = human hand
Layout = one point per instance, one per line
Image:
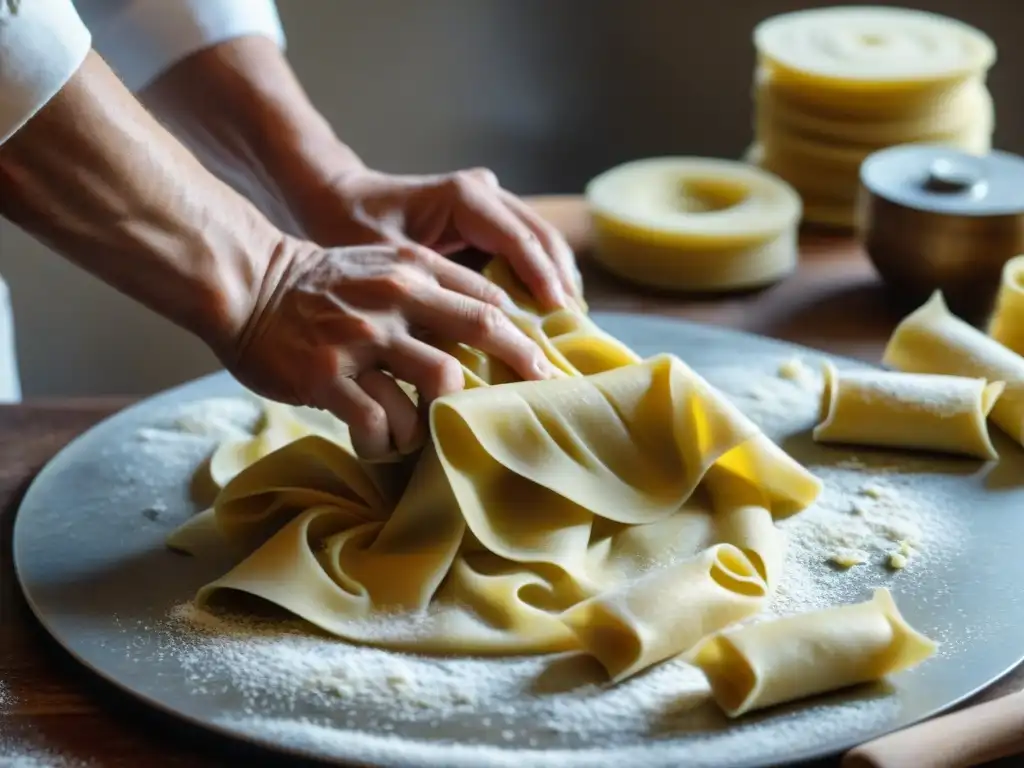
(329, 323)
(447, 213)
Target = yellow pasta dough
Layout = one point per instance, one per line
(875, 47)
(627, 510)
(533, 497)
(668, 610)
(927, 412)
(694, 224)
(773, 662)
(1007, 324)
(834, 85)
(933, 340)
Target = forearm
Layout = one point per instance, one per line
(97, 178)
(239, 106)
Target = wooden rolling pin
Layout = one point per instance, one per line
(969, 737)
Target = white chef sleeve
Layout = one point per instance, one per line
(42, 44)
(140, 39)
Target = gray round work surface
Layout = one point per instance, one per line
(93, 566)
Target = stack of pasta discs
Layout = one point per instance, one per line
(694, 224)
(834, 85)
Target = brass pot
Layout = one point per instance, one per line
(933, 218)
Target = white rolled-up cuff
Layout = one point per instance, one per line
(42, 45)
(143, 38)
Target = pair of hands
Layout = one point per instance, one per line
(332, 325)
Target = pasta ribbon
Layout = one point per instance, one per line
(626, 510)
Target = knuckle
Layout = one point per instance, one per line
(364, 331)
(484, 176)
(461, 183)
(399, 283)
(445, 375)
(410, 256)
(492, 294)
(370, 419)
(487, 321)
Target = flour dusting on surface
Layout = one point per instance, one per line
(283, 683)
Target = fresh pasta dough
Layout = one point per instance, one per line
(1007, 324)
(927, 412)
(667, 610)
(773, 662)
(694, 224)
(626, 510)
(532, 498)
(933, 340)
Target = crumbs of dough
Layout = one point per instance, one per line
(795, 369)
(848, 558)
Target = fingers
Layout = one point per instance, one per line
(483, 326)
(553, 242)
(485, 221)
(406, 429)
(433, 373)
(458, 278)
(380, 416)
(366, 418)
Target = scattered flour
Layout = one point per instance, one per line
(20, 747)
(332, 698)
(318, 694)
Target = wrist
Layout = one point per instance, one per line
(101, 182)
(238, 104)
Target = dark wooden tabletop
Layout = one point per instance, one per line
(834, 303)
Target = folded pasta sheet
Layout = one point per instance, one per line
(626, 509)
(773, 662)
(1007, 323)
(933, 340)
(927, 412)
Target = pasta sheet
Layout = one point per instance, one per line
(626, 510)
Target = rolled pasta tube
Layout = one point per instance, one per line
(928, 412)
(933, 340)
(668, 611)
(1007, 324)
(752, 529)
(774, 662)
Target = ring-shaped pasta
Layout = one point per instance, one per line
(694, 224)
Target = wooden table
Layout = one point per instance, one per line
(834, 303)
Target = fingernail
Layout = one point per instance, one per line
(561, 299)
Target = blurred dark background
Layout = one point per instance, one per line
(547, 93)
